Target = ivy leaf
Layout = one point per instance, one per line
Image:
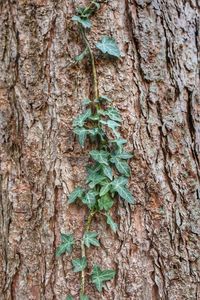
(112, 224)
(67, 243)
(121, 166)
(79, 264)
(84, 297)
(105, 202)
(103, 99)
(105, 188)
(119, 143)
(118, 186)
(107, 171)
(86, 101)
(100, 156)
(69, 297)
(108, 45)
(84, 21)
(80, 120)
(81, 56)
(120, 181)
(95, 179)
(77, 193)
(90, 239)
(124, 155)
(90, 199)
(99, 277)
(82, 133)
(113, 114)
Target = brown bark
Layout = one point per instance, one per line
(156, 87)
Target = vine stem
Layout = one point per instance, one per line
(83, 251)
(94, 71)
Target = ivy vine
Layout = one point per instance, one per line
(108, 170)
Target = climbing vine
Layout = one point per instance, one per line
(108, 170)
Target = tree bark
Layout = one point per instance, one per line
(155, 85)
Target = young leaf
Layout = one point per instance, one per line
(66, 246)
(99, 277)
(105, 188)
(100, 156)
(77, 193)
(69, 297)
(108, 45)
(121, 166)
(112, 224)
(90, 199)
(90, 239)
(86, 101)
(84, 297)
(84, 21)
(79, 264)
(105, 202)
(80, 120)
(107, 171)
(81, 56)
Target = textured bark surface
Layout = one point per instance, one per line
(156, 87)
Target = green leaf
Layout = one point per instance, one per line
(84, 21)
(119, 143)
(100, 156)
(77, 193)
(124, 155)
(69, 297)
(113, 114)
(112, 224)
(105, 202)
(95, 179)
(107, 171)
(118, 186)
(99, 277)
(82, 133)
(67, 243)
(79, 264)
(81, 56)
(90, 239)
(90, 199)
(105, 188)
(80, 120)
(84, 297)
(108, 45)
(103, 99)
(121, 166)
(86, 101)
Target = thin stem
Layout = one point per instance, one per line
(94, 72)
(83, 251)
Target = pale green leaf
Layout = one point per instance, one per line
(90, 238)
(118, 186)
(121, 166)
(84, 21)
(99, 277)
(81, 56)
(108, 45)
(105, 188)
(103, 99)
(66, 245)
(124, 155)
(79, 264)
(107, 172)
(81, 133)
(77, 193)
(113, 114)
(112, 224)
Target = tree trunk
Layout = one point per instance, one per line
(155, 85)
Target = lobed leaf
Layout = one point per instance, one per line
(121, 166)
(90, 199)
(112, 224)
(105, 202)
(77, 193)
(108, 45)
(79, 264)
(67, 244)
(100, 156)
(99, 277)
(107, 171)
(90, 239)
(80, 120)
